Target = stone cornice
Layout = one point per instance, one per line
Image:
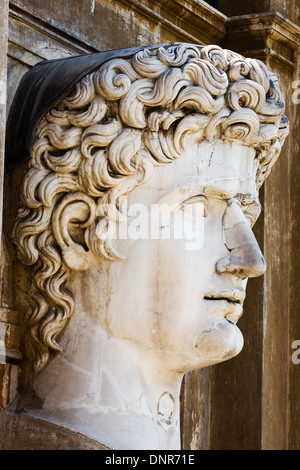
(192, 20)
(262, 35)
(26, 20)
(265, 35)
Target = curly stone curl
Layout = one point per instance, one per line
(106, 137)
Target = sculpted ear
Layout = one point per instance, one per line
(74, 213)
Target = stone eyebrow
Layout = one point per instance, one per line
(221, 193)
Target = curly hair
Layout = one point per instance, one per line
(105, 138)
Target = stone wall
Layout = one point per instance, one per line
(250, 402)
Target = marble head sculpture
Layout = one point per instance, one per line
(180, 125)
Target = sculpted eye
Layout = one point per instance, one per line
(195, 207)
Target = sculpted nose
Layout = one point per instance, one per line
(245, 258)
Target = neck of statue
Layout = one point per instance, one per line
(110, 389)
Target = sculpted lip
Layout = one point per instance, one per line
(235, 297)
(231, 295)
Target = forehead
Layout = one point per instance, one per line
(229, 166)
(227, 169)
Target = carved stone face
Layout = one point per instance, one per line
(130, 128)
(181, 297)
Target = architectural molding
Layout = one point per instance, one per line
(265, 35)
(23, 24)
(261, 35)
(185, 18)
